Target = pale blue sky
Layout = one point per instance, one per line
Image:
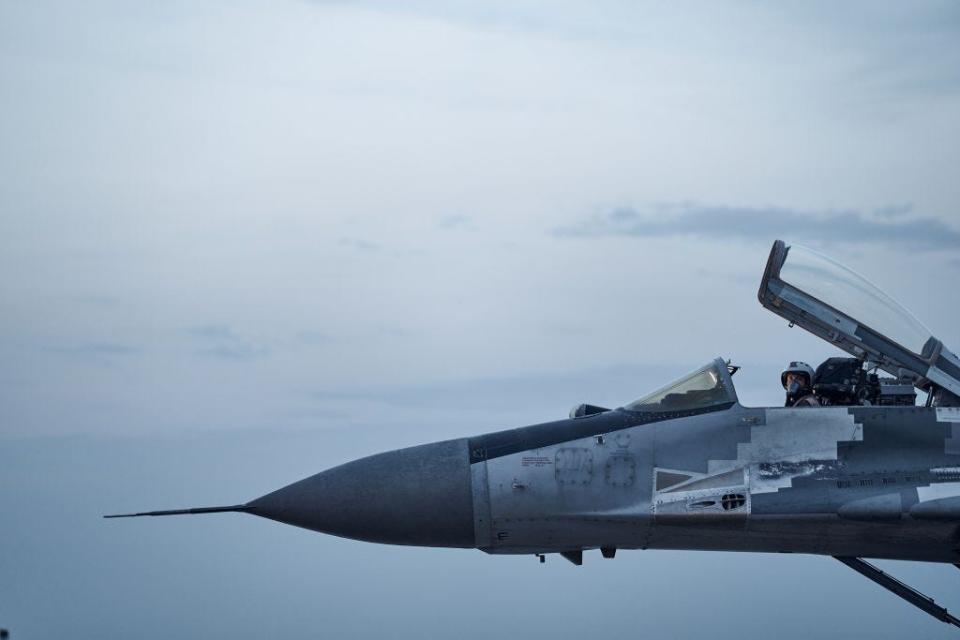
(323, 229)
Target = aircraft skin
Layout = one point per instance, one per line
(688, 467)
(839, 481)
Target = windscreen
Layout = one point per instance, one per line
(702, 388)
(853, 295)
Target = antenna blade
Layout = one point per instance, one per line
(180, 512)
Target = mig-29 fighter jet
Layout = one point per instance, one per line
(867, 474)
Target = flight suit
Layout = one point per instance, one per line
(808, 400)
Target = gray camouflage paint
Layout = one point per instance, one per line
(832, 481)
(877, 482)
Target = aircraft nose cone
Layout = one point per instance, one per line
(416, 496)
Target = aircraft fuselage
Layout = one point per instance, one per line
(875, 482)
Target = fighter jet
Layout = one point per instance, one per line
(865, 474)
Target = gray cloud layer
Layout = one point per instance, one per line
(768, 223)
(220, 341)
(92, 349)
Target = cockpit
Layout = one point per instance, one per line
(834, 303)
(706, 388)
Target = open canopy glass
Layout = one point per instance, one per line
(833, 302)
(852, 294)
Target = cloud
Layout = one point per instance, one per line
(93, 349)
(98, 301)
(220, 341)
(893, 211)
(312, 338)
(359, 244)
(508, 394)
(768, 223)
(455, 221)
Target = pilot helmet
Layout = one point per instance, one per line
(797, 367)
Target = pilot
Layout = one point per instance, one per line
(797, 380)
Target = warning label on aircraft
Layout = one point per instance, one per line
(535, 461)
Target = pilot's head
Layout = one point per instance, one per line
(797, 379)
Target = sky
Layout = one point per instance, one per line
(243, 242)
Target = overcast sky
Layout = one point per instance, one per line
(385, 225)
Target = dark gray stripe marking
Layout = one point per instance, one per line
(504, 443)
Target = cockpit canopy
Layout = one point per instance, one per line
(844, 308)
(847, 291)
(708, 387)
